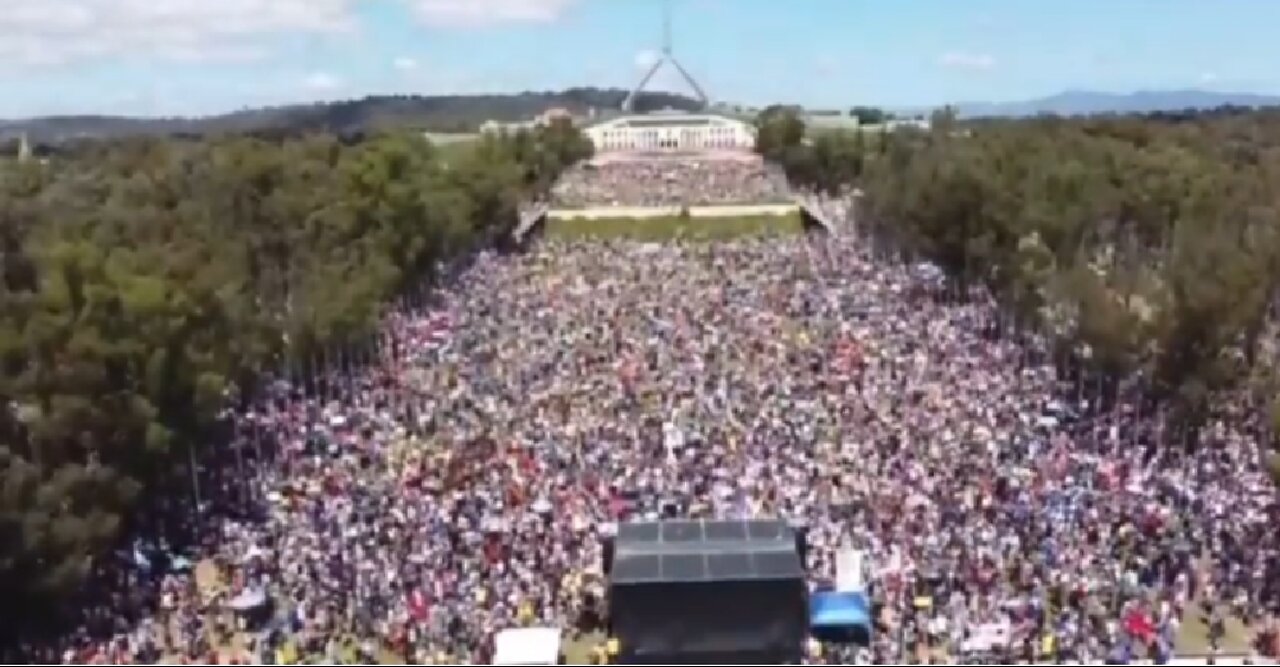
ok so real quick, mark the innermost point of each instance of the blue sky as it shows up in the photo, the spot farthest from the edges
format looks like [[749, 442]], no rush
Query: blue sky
[[166, 57]]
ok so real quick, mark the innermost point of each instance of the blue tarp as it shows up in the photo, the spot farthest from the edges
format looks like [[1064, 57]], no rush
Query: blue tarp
[[834, 610]]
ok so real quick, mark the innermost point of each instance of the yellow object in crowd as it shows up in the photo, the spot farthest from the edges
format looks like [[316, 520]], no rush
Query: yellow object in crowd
[[613, 646], [924, 602]]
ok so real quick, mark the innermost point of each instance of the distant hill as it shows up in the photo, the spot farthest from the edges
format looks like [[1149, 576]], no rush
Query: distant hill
[[442, 113], [464, 113], [1082, 102]]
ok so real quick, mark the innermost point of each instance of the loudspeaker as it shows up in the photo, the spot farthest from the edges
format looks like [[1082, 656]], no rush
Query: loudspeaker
[[801, 530], [607, 565]]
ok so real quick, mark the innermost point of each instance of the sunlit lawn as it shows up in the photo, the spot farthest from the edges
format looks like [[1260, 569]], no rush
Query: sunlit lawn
[[675, 227], [451, 147]]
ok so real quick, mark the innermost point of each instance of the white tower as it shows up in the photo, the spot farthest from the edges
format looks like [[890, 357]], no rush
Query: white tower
[[664, 58], [24, 148]]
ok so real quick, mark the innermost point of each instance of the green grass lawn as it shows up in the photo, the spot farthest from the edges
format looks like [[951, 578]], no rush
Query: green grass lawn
[[675, 227], [456, 147], [442, 139]]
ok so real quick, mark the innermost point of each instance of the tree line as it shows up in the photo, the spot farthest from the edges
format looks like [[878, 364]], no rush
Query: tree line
[[148, 284], [1148, 247], [435, 113]]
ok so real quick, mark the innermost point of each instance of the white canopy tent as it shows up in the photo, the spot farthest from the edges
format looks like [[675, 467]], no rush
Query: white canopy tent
[[527, 646], [851, 571]]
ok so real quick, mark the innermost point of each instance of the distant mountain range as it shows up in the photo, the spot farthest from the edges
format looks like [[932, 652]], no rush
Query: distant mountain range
[[438, 113], [464, 113], [1083, 102]]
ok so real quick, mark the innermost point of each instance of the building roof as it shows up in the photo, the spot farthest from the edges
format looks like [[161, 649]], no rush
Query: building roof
[[832, 121], [688, 551], [666, 119]]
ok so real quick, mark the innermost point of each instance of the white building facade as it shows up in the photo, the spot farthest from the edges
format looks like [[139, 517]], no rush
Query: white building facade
[[671, 132]]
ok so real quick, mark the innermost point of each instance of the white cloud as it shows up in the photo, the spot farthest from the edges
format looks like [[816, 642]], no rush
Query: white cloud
[[405, 64], [322, 81], [1208, 77], [51, 32], [965, 60], [646, 59], [480, 13], [54, 32]]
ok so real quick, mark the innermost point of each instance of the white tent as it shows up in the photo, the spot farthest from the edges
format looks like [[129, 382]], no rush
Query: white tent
[[850, 571], [527, 646]]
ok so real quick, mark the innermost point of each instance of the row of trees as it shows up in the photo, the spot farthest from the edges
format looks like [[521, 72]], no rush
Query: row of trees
[[1148, 246], [145, 283], [432, 113]]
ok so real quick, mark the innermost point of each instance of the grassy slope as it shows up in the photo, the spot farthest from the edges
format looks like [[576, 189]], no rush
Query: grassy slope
[[671, 227], [455, 148]]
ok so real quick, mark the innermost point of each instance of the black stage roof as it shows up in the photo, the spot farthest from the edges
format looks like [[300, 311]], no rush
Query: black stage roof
[[692, 551]]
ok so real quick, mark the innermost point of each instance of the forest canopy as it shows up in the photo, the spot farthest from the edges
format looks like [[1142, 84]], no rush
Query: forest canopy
[[150, 283]]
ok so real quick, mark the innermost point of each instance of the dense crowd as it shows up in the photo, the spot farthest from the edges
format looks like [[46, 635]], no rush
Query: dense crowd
[[667, 182], [457, 485]]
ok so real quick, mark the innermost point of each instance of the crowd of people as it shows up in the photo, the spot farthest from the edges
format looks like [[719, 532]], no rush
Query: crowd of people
[[670, 182], [456, 484]]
